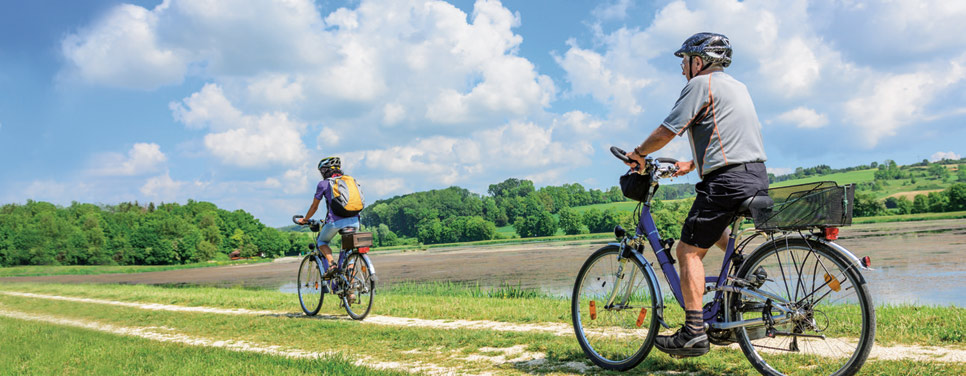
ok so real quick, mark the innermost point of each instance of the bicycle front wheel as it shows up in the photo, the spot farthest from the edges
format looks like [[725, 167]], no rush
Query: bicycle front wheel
[[612, 310], [360, 288], [832, 325], [310, 287]]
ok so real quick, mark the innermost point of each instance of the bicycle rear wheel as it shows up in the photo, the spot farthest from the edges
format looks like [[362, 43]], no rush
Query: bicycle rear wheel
[[833, 319], [310, 286], [612, 310], [360, 288]]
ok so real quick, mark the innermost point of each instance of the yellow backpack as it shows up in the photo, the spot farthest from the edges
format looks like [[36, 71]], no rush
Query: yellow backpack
[[347, 200]]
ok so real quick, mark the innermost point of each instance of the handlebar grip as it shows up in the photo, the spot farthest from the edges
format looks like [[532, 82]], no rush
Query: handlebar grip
[[667, 160], [620, 154], [295, 218]]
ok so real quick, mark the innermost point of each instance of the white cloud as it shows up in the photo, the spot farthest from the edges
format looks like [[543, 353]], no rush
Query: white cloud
[[329, 137], [616, 10], [589, 73], [162, 187], [239, 139], [803, 117], [275, 90], [143, 158], [898, 100], [512, 148], [122, 50], [382, 187], [779, 171], [425, 58], [940, 155]]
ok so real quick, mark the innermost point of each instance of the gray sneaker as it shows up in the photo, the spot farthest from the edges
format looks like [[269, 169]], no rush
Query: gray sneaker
[[683, 344]]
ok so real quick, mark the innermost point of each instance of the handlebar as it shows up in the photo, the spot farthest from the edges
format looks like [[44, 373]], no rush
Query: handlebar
[[295, 218], [651, 165]]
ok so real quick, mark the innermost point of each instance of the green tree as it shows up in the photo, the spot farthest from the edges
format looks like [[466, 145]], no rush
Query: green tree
[[866, 205], [535, 219], [957, 197], [476, 228], [938, 202], [570, 221], [920, 204]]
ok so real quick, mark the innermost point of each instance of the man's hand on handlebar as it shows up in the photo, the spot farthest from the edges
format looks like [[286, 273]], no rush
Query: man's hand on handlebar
[[636, 160], [684, 167], [303, 221]]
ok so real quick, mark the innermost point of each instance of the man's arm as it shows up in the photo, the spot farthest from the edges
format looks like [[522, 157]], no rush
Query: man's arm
[[660, 137]]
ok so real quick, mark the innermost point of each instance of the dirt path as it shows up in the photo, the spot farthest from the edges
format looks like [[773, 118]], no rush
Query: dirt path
[[827, 349], [164, 334]]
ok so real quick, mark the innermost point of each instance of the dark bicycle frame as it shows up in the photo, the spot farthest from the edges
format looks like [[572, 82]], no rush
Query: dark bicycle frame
[[648, 229]]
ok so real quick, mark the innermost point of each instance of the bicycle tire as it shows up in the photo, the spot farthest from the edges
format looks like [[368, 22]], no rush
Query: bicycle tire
[[838, 278], [359, 282], [599, 336], [310, 285]]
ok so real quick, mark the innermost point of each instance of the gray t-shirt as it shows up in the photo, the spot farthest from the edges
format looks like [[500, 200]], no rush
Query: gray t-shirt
[[721, 121]]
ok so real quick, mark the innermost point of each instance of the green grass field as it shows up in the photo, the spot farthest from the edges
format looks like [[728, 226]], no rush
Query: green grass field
[[47, 347], [40, 270], [861, 176]]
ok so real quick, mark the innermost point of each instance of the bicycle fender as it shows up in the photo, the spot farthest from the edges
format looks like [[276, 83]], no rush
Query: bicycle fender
[[372, 268], [848, 254], [845, 254], [659, 308]]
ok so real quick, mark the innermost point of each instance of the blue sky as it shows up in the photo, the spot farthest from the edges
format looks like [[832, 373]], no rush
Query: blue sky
[[107, 101]]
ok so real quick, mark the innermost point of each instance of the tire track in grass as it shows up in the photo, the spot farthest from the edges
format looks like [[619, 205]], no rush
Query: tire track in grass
[[895, 352], [553, 328], [164, 334]]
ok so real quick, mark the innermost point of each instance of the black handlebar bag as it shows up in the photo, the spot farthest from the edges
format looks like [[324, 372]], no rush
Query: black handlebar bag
[[635, 186]]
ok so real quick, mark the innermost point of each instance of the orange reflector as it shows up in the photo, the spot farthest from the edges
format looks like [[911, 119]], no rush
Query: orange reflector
[[866, 261], [363, 249], [833, 282], [593, 310], [640, 317], [316, 285], [364, 269], [831, 233]]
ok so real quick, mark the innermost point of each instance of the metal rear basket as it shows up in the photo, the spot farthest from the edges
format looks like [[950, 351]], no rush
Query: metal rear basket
[[805, 206]]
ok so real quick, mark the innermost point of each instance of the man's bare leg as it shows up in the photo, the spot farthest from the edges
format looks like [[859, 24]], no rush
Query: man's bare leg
[[692, 340]]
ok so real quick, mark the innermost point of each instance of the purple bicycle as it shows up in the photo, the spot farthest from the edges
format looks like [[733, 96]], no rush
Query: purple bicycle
[[797, 302]]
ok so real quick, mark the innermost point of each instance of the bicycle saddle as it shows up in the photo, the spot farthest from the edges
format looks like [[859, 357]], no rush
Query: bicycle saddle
[[347, 230], [754, 202]]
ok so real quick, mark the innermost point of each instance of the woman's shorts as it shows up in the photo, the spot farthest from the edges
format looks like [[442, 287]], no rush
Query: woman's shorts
[[330, 229]]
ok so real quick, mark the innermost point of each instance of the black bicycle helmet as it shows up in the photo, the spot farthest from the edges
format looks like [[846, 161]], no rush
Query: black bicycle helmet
[[330, 163], [712, 47]]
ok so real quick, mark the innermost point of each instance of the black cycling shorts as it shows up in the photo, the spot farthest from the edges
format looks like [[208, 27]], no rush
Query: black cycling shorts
[[720, 194]]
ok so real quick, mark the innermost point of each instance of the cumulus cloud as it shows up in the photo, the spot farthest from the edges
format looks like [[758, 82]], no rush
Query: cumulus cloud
[[898, 100], [616, 10], [143, 158], [512, 148], [417, 60], [590, 73], [239, 139], [803, 117], [940, 155], [162, 187], [122, 49]]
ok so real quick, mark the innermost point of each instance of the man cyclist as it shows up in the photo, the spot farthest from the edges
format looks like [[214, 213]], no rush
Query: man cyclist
[[725, 136], [329, 167]]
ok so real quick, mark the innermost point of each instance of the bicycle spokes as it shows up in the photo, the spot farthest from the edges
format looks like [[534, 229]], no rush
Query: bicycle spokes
[[821, 315]]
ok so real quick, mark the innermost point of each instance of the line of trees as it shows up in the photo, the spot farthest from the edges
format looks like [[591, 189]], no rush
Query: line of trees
[[455, 214], [40, 233]]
